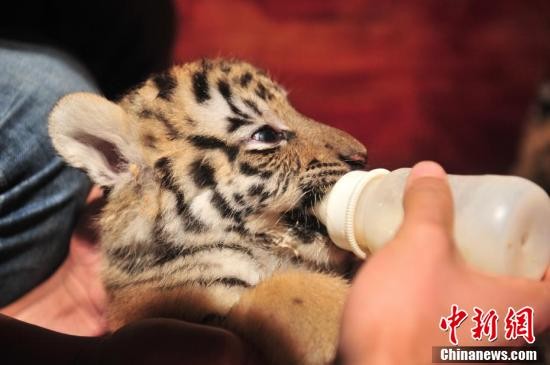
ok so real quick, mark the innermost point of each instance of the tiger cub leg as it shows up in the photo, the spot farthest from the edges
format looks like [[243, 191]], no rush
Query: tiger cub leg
[[186, 303], [292, 317]]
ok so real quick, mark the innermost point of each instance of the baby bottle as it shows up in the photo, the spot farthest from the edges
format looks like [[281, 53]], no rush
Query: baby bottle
[[501, 226]]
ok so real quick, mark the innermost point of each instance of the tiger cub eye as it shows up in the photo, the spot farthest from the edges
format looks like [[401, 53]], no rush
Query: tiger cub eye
[[268, 135]]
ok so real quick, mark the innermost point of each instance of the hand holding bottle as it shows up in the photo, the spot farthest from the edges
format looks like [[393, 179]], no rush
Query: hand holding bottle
[[500, 222], [400, 294]]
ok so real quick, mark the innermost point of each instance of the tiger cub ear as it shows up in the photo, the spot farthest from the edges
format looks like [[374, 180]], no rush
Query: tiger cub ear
[[94, 134]]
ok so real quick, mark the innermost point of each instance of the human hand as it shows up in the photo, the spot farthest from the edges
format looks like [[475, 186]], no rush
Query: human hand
[[170, 341], [399, 296], [146, 342], [72, 300]]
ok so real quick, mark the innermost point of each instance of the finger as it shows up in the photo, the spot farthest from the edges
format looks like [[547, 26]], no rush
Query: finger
[[542, 304], [427, 202], [504, 292], [547, 275], [537, 296]]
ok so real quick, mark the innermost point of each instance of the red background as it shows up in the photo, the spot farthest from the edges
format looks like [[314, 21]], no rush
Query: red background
[[448, 80]]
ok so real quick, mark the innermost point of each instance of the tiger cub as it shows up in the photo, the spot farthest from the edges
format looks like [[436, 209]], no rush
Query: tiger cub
[[211, 176]]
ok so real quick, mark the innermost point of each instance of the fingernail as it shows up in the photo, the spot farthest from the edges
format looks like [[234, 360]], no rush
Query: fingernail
[[426, 169]]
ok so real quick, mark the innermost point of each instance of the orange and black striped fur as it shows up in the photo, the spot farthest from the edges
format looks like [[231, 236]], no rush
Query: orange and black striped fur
[[211, 175]]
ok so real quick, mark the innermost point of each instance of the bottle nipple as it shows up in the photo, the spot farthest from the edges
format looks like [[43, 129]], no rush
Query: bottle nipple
[[342, 200]]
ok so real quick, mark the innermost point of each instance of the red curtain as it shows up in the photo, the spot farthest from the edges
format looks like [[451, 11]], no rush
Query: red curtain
[[448, 80]]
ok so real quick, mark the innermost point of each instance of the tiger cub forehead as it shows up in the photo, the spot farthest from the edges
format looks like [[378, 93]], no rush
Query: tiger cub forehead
[[221, 98]]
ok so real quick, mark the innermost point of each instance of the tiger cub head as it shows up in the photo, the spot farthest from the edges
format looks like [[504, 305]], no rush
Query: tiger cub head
[[208, 151]]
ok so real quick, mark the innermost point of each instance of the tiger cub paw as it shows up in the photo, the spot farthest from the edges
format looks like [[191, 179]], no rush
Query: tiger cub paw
[[293, 317]]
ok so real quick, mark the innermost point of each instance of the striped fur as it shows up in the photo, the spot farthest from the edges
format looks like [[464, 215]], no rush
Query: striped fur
[[215, 196]]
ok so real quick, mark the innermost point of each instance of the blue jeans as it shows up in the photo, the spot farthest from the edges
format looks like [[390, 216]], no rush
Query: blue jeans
[[40, 196]]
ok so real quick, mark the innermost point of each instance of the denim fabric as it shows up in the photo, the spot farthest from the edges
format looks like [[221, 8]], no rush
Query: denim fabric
[[40, 196]]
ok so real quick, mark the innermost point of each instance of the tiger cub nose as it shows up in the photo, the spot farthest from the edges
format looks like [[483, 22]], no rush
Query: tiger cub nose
[[356, 161]]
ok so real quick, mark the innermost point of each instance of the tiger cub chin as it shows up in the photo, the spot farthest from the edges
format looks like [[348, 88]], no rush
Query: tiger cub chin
[[211, 176]]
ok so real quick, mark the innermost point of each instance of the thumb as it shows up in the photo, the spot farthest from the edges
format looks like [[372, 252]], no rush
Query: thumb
[[427, 202]]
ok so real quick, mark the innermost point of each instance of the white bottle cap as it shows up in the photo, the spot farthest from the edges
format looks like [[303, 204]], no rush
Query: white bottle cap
[[340, 208]]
